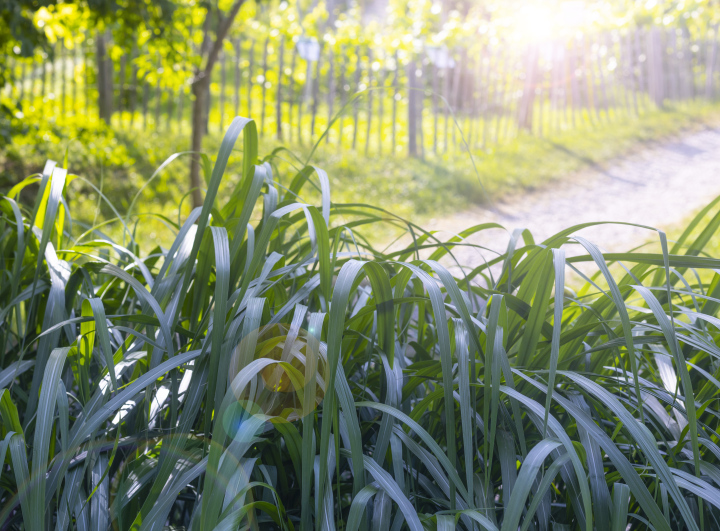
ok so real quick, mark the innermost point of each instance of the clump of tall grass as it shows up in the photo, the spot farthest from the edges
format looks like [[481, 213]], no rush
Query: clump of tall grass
[[273, 370]]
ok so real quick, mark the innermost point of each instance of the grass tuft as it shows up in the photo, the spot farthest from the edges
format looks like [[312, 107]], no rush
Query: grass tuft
[[271, 369]]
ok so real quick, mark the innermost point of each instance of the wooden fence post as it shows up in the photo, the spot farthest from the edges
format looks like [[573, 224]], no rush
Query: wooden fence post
[[264, 85], [394, 102], [369, 102], [555, 86], [74, 79], [158, 102], [35, 78], [146, 98], [446, 102], [53, 88], [658, 63], [236, 68], [104, 77], [300, 104], [513, 95], [632, 56], [292, 91], [434, 83], [573, 80], [420, 104], [539, 95], [22, 82], [628, 78], [63, 76], [474, 80], [527, 101], [316, 95], [673, 81], [412, 110], [87, 54], [42, 85], [121, 87], [133, 86], [603, 104], [498, 94], [208, 107], [381, 103], [343, 96], [180, 100], [641, 65], [330, 93], [687, 66], [170, 109], [696, 67], [279, 95], [356, 105], [710, 66], [592, 97], [485, 86], [223, 83], [251, 63], [9, 87], [456, 97]]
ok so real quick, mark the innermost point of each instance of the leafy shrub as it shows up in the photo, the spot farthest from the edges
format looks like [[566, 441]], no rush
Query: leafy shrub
[[272, 370], [91, 145]]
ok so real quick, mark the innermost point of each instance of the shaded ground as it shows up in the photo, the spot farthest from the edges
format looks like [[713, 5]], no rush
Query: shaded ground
[[660, 187]]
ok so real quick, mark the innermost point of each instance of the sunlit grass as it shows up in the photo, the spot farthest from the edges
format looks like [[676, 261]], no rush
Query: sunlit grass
[[271, 369], [118, 162]]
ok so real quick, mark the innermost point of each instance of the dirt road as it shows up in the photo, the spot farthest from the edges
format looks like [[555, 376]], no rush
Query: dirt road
[[660, 186]]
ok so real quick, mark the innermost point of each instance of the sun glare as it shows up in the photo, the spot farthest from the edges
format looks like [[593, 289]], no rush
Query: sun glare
[[539, 22]]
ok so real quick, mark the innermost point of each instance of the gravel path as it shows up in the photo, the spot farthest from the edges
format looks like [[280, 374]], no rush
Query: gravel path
[[660, 187]]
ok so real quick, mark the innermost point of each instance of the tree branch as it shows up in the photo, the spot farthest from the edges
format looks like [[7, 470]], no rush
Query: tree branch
[[204, 44], [223, 29]]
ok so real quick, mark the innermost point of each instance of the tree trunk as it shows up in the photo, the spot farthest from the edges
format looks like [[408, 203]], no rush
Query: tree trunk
[[104, 78], [201, 100], [199, 121]]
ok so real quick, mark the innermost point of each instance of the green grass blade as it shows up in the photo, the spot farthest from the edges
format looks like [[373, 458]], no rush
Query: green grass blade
[[621, 499], [529, 469], [41, 441]]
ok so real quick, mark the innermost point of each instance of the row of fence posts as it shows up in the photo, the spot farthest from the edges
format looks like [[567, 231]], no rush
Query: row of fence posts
[[414, 101]]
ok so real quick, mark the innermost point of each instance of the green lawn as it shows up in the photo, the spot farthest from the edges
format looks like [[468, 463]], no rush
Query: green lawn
[[120, 163]]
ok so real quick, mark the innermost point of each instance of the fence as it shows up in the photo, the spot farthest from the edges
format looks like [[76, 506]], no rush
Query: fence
[[494, 91]]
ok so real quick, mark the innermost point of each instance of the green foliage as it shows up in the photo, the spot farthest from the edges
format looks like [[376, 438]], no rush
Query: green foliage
[[97, 152], [18, 33], [117, 161], [273, 370]]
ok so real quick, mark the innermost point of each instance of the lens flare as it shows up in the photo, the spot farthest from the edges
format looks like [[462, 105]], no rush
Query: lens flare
[[282, 386]]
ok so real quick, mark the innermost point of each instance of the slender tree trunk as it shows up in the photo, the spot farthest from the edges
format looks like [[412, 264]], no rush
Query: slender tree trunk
[[199, 121], [201, 93], [104, 78]]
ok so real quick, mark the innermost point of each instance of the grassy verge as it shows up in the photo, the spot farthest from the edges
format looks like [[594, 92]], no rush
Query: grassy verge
[[530, 162], [120, 162]]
